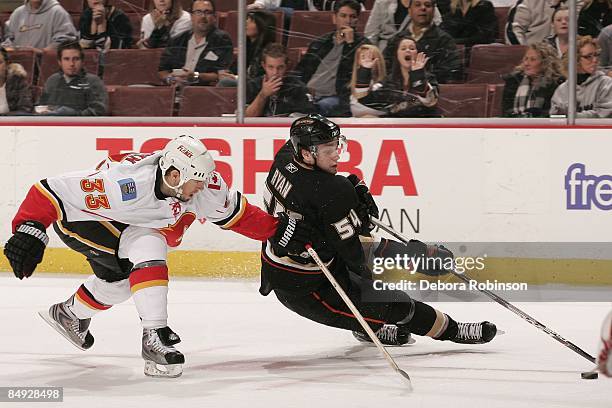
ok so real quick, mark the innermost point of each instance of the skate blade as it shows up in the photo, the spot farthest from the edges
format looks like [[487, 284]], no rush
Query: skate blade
[[151, 369], [410, 342], [47, 318]]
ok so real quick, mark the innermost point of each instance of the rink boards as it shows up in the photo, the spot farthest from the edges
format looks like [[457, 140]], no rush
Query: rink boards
[[453, 184]]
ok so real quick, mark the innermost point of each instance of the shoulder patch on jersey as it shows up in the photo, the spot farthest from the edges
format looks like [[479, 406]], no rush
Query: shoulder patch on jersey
[[128, 189], [214, 181], [291, 168]]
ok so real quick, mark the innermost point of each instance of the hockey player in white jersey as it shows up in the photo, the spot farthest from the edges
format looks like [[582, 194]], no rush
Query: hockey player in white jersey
[[604, 358], [123, 216]]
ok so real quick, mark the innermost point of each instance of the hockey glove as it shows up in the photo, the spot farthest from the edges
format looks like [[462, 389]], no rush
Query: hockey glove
[[291, 236], [367, 206], [25, 248], [432, 260]]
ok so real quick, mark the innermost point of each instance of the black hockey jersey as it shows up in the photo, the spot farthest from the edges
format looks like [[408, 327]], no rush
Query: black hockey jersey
[[325, 201]]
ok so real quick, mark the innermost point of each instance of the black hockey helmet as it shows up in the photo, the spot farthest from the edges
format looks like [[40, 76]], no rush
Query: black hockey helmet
[[309, 131]]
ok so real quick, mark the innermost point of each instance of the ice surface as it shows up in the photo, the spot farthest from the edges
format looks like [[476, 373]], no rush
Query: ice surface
[[245, 350]]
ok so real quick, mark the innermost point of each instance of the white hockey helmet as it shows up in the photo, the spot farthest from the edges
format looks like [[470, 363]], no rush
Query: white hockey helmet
[[190, 157]]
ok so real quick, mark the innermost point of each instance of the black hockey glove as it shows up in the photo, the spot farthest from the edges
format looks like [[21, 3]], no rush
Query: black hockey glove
[[433, 260], [291, 236], [25, 248], [367, 205]]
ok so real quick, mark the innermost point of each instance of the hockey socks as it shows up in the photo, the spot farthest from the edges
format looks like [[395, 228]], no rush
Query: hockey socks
[[96, 295], [427, 321], [149, 286]]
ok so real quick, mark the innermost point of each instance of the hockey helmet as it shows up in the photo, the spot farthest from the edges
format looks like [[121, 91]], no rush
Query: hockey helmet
[[310, 131], [189, 156]]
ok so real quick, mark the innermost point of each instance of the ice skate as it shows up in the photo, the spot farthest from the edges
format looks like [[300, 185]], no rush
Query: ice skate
[[75, 330], [161, 358], [389, 335], [475, 333]]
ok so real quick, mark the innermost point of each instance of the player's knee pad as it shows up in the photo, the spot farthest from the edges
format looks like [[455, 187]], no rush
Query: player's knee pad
[[148, 274], [109, 293]]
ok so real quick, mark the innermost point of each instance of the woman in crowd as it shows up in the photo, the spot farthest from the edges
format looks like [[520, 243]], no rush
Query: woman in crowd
[[529, 89], [560, 28], [594, 16], [471, 22], [104, 27], [409, 91], [260, 31], [594, 90], [166, 20], [15, 93]]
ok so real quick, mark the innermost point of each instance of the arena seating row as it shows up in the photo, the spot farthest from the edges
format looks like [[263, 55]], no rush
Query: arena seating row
[[130, 67], [456, 101], [305, 25]]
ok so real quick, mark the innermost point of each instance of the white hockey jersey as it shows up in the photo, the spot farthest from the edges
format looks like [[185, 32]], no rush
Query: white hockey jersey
[[122, 189]]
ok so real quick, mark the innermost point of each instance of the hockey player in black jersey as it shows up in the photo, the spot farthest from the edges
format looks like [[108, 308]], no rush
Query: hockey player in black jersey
[[303, 183]]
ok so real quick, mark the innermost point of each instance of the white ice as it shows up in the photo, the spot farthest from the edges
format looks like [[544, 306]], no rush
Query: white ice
[[245, 350]]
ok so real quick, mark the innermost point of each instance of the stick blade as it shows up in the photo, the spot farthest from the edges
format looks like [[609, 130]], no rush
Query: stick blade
[[406, 378]]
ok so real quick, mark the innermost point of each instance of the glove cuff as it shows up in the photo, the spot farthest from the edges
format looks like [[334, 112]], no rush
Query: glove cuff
[[35, 229]]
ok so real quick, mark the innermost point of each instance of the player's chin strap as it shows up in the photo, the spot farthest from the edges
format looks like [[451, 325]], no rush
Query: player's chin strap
[[177, 189], [464, 277]]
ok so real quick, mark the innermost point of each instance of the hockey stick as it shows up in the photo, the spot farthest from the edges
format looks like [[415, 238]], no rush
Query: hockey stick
[[498, 299], [358, 315]]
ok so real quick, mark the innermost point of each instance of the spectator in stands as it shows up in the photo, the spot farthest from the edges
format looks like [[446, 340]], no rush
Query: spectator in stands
[[594, 16], [438, 45], [560, 26], [388, 17], [326, 66], [166, 20], [195, 57], [260, 31], [73, 91], [408, 92], [530, 87], [594, 88], [529, 21], [39, 24], [471, 22], [369, 72], [275, 93], [605, 43], [15, 93], [104, 27]]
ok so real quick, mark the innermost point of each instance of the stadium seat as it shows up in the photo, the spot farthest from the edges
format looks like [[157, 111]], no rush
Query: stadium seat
[[27, 59], [489, 62], [132, 67], [49, 66], [136, 22], [294, 55], [231, 25], [141, 101], [502, 18], [496, 94], [463, 100], [207, 101], [308, 25], [72, 6]]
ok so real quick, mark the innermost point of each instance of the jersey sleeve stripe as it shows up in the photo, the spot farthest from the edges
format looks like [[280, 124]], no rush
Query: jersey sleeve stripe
[[236, 214], [45, 190]]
